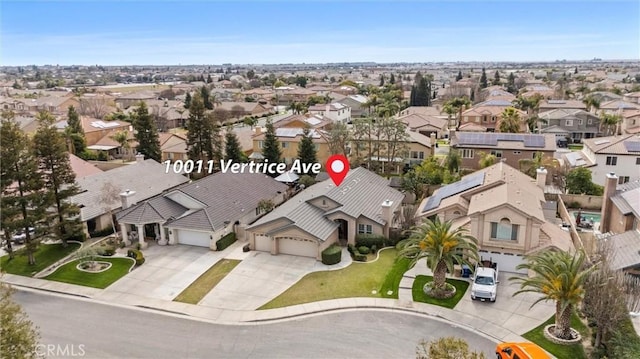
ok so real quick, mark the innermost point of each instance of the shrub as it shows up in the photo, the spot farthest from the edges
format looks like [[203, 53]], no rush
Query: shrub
[[351, 248], [81, 237], [108, 250], [359, 257], [374, 248], [368, 240], [364, 250], [137, 255], [102, 156], [225, 241], [332, 255], [101, 233], [574, 204]]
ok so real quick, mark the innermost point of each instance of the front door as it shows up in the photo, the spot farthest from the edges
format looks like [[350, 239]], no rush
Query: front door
[[343, 231]]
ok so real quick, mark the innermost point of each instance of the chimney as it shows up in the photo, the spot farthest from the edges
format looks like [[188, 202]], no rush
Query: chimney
[[541, 177], [128, 198], [432, 136], [387, 216], [610, 186], [139, 158], [258, 130], [452, 134]]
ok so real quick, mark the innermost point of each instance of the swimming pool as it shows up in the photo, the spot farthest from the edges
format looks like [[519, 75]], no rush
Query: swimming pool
[[587, 216]]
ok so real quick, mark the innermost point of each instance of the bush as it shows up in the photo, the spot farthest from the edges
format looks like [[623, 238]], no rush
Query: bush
[[364, 250], [101, 233], [78, 237], [102, 156], [351, 248], [332, 255], [225, 241], [374, 249], [108, 250], [368, 240], [574, 204], [137, 255], [359, 257]]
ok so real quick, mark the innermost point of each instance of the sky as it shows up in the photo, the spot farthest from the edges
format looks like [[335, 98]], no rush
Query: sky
[[270, 32]]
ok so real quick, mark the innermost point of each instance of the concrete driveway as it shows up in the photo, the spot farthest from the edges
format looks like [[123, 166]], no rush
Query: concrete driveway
[[167, 271], [260, 277]]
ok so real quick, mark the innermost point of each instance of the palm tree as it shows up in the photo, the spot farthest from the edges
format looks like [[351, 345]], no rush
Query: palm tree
[[609, 123], [450, 111], [591, 102], [487, 159], [559, 276], [460, 104], [122, 137], [373, 101], [442, 247], [297, 108], [529, 166], [509, 120]]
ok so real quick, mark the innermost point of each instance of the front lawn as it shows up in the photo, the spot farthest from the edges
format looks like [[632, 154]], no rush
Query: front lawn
[[356, 280], [575, 351], [45, 255], [68, 273], [206, 282], [420, 296], [393, 278]]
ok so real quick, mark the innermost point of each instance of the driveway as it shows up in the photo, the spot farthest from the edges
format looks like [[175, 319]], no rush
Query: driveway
[[166, 272], [260, 277]]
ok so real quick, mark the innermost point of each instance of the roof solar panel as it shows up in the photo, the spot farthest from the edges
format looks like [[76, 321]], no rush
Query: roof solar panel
[[632, 146], [467, 183]]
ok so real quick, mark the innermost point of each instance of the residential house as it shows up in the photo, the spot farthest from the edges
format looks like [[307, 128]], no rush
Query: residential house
[[487, 114], [570, 123], [304, 120], [630, 121], [619, 154], [356, 103], [147, 178], [324, 214], [503, 209], [173, 147], [241, 109], [620, 223], [633, 97], [258, 94], [15, 105], [82, 168], [202, 212], [421, 110], [605, 96], [134, 98], [548, 105], [538, 90], [496, 93], [510, 148], [94, 129], [289, 139], [288, 94], [57, 105], [425, 124], [337, 112], [618, 107], [346, 90]]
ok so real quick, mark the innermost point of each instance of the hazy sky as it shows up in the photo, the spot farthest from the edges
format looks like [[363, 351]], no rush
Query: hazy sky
[[216, 32]]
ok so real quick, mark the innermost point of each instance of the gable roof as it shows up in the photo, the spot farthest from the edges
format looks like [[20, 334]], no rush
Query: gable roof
[[81, 167], [626, 249], [619, 145], [418, 121], [627, 198], [516, 141]]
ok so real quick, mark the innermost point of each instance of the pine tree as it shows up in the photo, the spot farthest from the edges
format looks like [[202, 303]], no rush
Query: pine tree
[[232, 149], [217, 140], [511, 83], [19, 336], [307, 149], [187, 100], [22, 201], [74, 131], [59, 180], [483, 79], [381, 79], [459, 77], [206, 97], [209, 79], [199, 131], [271, 147], [496, 78], [146, 133], [392, 79]]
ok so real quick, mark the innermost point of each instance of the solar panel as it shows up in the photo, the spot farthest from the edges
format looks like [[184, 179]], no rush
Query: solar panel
[[467, 183], [632, 146]]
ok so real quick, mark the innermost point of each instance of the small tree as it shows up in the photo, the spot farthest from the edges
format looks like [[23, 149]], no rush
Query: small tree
[[232, 150], [271, 148], [122, 137], [307, 149], [483, 79], [446, 348], [265, 205], [109, 196], [146, 133], [18, 335], [579, 182]]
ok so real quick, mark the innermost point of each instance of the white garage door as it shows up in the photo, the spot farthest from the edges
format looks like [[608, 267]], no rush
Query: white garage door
[[506, 262], [193, 238], [297, 247], [263, 243]]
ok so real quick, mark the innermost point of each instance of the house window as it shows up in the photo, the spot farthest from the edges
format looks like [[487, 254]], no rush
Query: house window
[[504, 230], [589, 122], [612, 160], [623, 179], [580, 122], [417, 155], [467, 153], [568, 123], [637, 160], [285, 144], [485, 118], [516, 152], [497, 153], [365, 229], [260, 144], [493, 118], [170, 155]]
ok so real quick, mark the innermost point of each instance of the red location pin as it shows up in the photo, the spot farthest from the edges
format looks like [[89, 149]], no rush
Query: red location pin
[[337, 167]]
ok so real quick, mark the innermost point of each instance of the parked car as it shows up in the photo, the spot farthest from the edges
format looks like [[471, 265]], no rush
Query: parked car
[[520, 350], [21, 236], [485, 281]]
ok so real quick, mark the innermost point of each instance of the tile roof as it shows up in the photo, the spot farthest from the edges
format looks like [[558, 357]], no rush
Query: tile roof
[[627, 198], [611, 144], [626, 249], [418, 121], [81, 167]]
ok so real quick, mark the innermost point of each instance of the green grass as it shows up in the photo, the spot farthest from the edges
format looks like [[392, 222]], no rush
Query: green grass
[[575, 147], [356, 280], [68, 273], [393, 278], [206, 282], [45, 255], [420, 296], [575, 351]]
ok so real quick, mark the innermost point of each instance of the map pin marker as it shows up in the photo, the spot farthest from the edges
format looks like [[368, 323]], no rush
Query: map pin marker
[[337, 167]]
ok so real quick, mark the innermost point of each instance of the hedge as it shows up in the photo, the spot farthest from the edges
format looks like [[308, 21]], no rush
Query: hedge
[[360, 257], [368, 240], [101, 233], [332, 255], [226, 241], [137, 255], [364, 250]]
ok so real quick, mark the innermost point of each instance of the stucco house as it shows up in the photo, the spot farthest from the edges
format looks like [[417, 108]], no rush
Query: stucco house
[[572, 123], [201, 212], [504, 209], [619, 154], [324, 214]]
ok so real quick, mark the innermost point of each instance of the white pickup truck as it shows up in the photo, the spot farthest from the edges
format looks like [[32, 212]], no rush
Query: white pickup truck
[[485, 281]]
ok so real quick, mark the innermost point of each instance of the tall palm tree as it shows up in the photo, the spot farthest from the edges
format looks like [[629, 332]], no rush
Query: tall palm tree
[[450, 111], [374, 101], [559, 276], [609, 123], [529, 166], [591, 103], [460, 104], [442, 247], [510, 121]]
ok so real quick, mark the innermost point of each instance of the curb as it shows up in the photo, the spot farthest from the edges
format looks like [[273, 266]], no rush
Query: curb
[[48, 290]]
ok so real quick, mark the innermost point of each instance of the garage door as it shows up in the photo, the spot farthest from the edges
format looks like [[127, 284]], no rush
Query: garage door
[[506, 262], [193, 238], [297, 247], [263, 243]]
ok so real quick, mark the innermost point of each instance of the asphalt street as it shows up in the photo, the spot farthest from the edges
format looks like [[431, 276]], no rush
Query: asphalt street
[[93, 330]]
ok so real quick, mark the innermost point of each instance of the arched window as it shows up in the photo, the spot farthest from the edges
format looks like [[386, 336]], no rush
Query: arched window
[[456, 213], [504, 230]]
